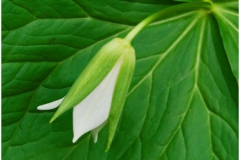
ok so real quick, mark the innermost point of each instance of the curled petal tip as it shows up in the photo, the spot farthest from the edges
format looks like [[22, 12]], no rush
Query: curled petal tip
[[74, 140], [76, 137], [51, 105]]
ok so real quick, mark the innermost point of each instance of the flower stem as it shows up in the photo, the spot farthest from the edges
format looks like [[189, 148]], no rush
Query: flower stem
[[168, 12]]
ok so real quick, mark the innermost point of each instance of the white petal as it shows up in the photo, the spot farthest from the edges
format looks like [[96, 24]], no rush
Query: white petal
[[96, 130], [50, 105], [94, 109]]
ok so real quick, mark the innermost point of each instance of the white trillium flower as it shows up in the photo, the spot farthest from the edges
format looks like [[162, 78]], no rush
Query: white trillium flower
[[98, 95]]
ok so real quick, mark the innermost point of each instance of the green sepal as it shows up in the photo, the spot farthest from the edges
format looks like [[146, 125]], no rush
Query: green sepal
[[120, 92], [93, 74]]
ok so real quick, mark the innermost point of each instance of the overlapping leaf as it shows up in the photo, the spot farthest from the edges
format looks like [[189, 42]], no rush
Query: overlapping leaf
[[226, 14], [182, 103]]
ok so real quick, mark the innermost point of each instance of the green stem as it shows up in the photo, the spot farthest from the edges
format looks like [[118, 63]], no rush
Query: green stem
[[168, 12]]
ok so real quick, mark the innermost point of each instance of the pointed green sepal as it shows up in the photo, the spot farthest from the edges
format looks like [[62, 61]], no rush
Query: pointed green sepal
[[120, 92]]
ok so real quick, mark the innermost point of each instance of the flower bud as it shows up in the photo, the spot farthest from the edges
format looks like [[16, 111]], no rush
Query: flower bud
[[99, 93]]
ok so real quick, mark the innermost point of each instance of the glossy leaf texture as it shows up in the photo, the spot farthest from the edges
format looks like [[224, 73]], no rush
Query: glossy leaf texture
[[182, 102]]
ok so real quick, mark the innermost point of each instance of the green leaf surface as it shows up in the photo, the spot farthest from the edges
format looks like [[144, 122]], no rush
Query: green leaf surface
[[191, 0], [226, 14], [182, 102]]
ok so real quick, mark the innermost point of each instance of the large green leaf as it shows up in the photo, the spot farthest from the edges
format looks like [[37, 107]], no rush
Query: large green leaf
[[182, 103]]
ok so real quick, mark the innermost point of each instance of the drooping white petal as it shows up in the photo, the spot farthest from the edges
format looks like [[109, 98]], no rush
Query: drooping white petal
[[96, 130], [50, 105], [94, 109]]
